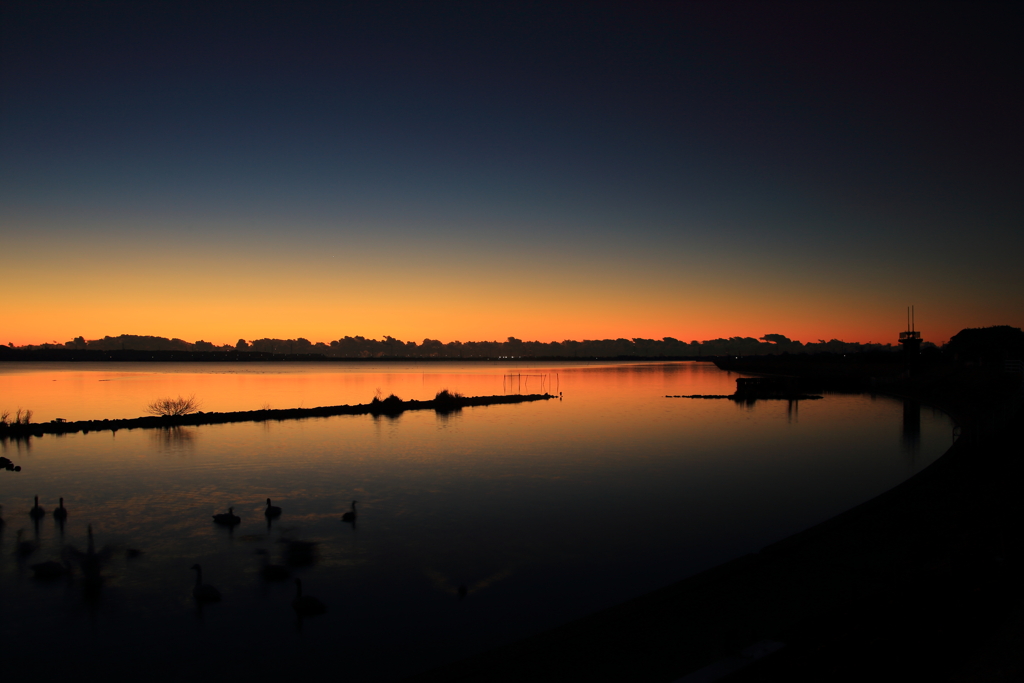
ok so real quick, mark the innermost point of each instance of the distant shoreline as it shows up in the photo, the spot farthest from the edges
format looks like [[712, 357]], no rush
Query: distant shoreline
[[134, 356], [388, 407]]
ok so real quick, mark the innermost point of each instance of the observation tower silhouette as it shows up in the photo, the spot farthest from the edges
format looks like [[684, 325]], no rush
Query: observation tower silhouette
[[911, 339]]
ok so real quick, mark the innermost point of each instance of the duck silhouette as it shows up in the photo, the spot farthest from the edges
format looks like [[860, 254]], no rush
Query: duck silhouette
[[228, 518], [272, 510], [60, 513], [203, 592], [37, 512], [306, 605], [350, 516]]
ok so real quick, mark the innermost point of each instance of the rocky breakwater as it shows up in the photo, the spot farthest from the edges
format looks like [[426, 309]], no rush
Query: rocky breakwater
[[390, 406]]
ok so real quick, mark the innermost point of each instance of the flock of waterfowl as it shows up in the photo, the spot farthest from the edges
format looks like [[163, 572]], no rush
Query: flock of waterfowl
[[298, 553]]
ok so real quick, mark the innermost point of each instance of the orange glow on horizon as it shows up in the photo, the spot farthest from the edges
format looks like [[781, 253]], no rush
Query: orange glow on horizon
[[225, 323], [221, 294]]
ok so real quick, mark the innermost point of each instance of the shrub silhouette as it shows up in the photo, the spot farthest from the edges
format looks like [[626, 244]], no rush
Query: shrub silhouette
[[391, 401], [21, 417], [392, 404], [172, 407], [447, 398], [447, 401]]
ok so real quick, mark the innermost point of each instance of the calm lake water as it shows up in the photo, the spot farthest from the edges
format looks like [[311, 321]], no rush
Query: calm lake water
[[544, 511]]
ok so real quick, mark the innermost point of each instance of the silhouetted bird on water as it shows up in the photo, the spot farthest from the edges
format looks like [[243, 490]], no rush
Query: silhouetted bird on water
[[300, 553], [37, 512], [272, 510], [350, 516], [91, 561], [272, 572], [306, 605], [204, 592], [228, 518], [50, 570], [60, 513], [24, 548]]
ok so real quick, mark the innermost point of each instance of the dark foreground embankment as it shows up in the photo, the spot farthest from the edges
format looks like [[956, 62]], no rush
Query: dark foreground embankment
[[389, 406], [920, 583]]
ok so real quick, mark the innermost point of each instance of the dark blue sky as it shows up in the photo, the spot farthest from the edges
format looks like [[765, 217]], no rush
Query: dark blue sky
[[819, 165]]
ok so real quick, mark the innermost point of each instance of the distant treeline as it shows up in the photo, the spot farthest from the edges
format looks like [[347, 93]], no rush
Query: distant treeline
[[389, 347]]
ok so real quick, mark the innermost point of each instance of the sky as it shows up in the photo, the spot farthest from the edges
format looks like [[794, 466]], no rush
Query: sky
[[544, 170]]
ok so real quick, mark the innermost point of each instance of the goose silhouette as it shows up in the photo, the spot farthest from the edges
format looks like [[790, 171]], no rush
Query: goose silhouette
[[300, 553], [203, 592], [272, 572], [272, 510], [228, 518], [24, 548], [60, 513], [50, 570], [37, 512], [350, 516], [306, 605], [91, 561]]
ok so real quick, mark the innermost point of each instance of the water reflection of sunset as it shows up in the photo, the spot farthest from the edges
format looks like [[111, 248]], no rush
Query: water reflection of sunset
[[543, 511], [109, 390]]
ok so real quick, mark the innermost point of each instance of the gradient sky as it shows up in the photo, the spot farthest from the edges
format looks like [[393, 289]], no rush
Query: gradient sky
[[478, 170]]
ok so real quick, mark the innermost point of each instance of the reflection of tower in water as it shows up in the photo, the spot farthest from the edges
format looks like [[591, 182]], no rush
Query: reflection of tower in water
[[911, 343], [911, 425]]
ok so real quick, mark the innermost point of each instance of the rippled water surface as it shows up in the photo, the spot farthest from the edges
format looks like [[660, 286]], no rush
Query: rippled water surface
[[543, 511]]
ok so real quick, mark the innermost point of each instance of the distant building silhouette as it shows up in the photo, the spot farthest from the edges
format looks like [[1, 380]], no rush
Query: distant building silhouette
[[911, 339]]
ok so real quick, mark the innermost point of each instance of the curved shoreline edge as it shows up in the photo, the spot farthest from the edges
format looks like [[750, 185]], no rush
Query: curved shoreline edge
[[387, 407], [919, 581]]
